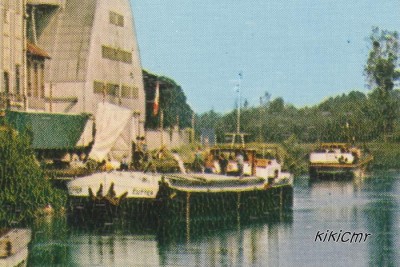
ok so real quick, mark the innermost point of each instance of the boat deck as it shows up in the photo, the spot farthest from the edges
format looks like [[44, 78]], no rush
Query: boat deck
[[214, 183], [362, 162], [214, 178]]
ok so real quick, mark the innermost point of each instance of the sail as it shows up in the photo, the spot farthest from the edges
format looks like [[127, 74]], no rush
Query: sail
[[111, 120]]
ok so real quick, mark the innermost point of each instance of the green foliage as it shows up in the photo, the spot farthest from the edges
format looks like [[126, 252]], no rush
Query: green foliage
[[23, 187], [172, 102], [297, 157], [344, 118], [382, 71]]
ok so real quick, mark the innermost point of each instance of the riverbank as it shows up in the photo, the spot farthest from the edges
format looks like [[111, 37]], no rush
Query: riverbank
[[295, 156], [386, 155]]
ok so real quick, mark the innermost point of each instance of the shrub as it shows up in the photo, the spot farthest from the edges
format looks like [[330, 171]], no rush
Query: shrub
[[23, 187]]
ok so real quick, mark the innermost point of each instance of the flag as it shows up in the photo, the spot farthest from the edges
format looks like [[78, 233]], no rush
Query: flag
[[156, 99]]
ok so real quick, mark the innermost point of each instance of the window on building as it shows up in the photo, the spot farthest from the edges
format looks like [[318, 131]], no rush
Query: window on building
[[98, 87], [35, 80], [112, 89], [135, 92], [29, 78], [18, 79], [116, 19], [6, 80], [126, 91], [116, 54], [130, 92], [42, 90]]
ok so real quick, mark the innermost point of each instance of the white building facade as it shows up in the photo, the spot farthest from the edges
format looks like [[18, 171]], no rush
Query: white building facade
[[11, 52], [94, 59]]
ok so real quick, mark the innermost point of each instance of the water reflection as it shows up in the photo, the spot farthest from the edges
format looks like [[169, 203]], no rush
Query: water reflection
[[382, 217], [246, 244], [127, 243], [287, 238]]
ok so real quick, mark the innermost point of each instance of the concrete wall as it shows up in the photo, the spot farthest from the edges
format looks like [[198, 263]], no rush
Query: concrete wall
[[170, 139]]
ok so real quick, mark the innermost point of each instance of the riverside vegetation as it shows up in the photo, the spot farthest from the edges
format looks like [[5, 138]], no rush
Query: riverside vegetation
[[24, 190]]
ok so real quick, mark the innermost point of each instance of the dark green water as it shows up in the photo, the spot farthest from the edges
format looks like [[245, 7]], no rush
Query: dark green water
[[369, 206]]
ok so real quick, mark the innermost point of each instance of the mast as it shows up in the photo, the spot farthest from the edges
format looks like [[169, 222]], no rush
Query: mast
[[239, 103]]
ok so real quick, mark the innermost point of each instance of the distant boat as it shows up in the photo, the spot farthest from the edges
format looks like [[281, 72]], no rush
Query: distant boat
[[337, 160]]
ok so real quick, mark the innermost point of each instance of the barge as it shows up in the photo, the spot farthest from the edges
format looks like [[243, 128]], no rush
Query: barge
[[155, 196], [337, 161]]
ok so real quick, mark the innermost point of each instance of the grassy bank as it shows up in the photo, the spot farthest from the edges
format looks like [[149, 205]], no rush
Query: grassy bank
[[386, 155], [295, 155]]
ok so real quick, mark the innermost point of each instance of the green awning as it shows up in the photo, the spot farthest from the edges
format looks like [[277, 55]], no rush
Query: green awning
[[49, 130]]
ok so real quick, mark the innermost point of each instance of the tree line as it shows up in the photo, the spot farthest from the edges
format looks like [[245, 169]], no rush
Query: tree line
[[352, 117]]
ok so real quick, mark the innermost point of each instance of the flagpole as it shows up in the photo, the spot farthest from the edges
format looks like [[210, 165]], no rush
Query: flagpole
[[162, 127], [156, 109]]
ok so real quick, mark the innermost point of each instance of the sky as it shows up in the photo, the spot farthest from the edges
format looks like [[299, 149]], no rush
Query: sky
[[304, 51]]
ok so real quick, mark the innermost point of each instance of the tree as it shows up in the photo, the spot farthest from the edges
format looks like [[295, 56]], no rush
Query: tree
[[172, 99], [277, 105], [381, 72]]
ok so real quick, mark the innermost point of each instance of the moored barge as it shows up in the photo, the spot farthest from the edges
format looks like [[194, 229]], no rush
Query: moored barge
[[155, 196], [337, 161]]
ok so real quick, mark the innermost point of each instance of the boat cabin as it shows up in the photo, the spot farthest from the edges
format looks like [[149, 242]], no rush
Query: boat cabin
[[333, 148], [224, 160]]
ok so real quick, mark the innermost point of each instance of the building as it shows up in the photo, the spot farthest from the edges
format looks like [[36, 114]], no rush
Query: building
[[12, 57], [70, 56], [94, 59]]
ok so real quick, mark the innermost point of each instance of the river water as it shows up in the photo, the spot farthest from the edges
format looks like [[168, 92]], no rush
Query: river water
[[367, 207]]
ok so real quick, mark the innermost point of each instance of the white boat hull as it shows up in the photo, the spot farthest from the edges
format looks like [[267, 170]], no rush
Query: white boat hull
[[135, 184]]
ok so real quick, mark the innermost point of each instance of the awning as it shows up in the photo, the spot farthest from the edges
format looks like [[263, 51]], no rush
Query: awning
[[49, 130], [35, 50]]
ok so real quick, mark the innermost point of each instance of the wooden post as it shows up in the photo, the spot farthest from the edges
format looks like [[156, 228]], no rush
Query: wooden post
[[238, 210], [188, 216]]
